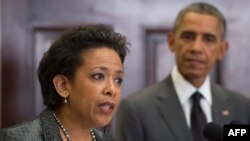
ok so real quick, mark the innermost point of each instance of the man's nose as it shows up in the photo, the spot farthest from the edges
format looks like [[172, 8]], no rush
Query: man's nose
[[197, 44]]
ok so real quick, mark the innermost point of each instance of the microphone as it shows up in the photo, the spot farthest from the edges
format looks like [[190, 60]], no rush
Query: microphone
[[236, 122], [213, 132]]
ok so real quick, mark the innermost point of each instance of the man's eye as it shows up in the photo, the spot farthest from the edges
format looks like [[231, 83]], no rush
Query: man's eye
[[187, 36], [209, 38], [98, 76]]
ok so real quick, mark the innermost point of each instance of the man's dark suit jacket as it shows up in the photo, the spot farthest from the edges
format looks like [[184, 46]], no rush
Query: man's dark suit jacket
[[155, 113]]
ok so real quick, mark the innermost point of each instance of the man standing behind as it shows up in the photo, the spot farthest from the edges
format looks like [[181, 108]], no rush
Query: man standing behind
[[179, 107]]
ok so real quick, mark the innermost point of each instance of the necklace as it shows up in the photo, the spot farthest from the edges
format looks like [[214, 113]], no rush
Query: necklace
[[93, 138]]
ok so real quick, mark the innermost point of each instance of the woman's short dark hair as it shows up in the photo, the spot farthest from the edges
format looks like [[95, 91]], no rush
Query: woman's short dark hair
[[64, 55]]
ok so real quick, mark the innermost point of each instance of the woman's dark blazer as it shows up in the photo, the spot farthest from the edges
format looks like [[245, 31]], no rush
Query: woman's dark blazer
[[42, 128]]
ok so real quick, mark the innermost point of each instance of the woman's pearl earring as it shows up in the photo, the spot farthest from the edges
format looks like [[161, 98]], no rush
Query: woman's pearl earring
[[65, 100]]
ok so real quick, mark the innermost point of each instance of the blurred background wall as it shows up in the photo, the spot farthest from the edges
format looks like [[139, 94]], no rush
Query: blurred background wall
[[0, 61], [29, 26]]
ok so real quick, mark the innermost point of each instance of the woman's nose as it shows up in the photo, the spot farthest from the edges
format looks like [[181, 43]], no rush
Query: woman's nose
[[110, 89]]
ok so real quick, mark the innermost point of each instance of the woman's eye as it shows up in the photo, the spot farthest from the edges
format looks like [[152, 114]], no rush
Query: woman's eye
[[119, 81], [98, 76]]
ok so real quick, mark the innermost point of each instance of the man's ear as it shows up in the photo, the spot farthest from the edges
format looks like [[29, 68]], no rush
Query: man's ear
[[171, 40], [224, 49], [60, 83]]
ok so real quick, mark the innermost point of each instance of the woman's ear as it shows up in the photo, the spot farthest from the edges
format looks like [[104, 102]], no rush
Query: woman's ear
[[60, 83]]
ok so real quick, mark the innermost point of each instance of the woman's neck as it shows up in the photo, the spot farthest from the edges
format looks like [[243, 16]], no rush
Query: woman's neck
[[76, 130]]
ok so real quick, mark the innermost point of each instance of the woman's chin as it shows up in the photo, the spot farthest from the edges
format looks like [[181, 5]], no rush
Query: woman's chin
[[104, 122]]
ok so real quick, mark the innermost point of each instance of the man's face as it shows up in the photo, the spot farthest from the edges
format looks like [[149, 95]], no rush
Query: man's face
[[197, 44]]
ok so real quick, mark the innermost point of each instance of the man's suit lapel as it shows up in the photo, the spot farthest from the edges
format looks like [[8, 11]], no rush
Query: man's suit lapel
[[221, 111], [171, 110]]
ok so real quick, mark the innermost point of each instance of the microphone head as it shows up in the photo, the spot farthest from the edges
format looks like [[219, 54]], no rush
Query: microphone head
[[236, 122], [213, 132]]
